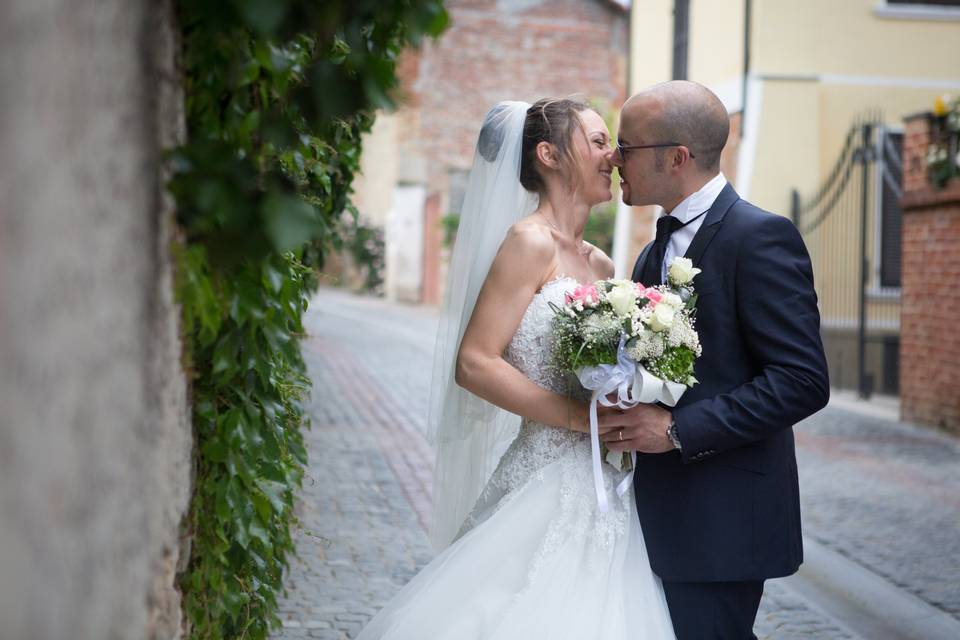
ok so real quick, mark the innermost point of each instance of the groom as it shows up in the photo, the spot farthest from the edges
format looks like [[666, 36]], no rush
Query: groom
[[716, 476]]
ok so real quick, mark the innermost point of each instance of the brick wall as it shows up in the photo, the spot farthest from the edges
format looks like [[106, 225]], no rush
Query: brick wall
[[930, 343], [502, 50]]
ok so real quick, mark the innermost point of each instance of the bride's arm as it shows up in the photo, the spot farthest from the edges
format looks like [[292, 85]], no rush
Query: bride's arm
[[525, 258]]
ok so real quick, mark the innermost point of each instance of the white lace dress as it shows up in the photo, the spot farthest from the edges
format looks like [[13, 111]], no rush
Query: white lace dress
[[536, 559]]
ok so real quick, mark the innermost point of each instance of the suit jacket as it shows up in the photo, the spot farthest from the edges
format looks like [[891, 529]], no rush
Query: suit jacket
[[728, 507]]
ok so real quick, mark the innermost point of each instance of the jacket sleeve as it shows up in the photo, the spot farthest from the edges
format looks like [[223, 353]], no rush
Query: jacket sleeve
[[780, 326]]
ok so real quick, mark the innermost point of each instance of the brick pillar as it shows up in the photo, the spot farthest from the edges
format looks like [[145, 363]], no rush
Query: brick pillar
[[930, 342]]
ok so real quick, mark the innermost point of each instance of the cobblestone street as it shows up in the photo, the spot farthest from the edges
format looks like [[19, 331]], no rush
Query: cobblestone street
[[882, 494]]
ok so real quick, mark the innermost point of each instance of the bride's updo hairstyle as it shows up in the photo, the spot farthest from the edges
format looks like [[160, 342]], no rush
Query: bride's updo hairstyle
[[555, 121], [491, 133]]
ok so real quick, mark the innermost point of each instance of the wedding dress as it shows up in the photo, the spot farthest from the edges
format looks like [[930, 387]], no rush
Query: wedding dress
[[536, 559]]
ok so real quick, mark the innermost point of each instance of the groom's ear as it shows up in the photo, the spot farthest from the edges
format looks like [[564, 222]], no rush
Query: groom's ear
[[680, 157]]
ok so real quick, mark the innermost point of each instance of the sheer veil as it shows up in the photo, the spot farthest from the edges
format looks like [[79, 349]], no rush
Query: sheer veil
[[469, 433]]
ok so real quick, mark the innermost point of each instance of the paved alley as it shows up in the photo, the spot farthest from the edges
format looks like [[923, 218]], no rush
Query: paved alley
[[878, 494]]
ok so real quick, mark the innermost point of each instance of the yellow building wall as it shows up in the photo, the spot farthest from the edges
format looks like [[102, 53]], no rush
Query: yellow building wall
[[787, 129], [815, 67], [848, 60], [651, 42], [849, 37], [715, 48]]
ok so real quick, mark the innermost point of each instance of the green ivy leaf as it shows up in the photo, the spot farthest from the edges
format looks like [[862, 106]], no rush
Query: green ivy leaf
[[275, 492], [290, 222], [264, 16], [214, 450], [259, 531], [262, 505], [278, 96]]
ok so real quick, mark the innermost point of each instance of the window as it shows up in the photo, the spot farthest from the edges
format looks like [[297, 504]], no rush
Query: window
[[681, 31], [928, 10], [890, 170], [940, 3]]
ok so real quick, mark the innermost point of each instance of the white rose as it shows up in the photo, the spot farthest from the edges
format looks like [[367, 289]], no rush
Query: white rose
[[673, 300], [623, 299], [681, 271], [662, 317]]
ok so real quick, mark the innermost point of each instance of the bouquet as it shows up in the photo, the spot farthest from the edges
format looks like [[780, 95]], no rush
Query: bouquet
[[636, 342]]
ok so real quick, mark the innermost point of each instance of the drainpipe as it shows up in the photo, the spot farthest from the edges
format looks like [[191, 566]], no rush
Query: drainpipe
[[747, 6]]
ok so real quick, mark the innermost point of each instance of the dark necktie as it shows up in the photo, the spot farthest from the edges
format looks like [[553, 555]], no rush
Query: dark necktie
[[666, 226], [652, 272]]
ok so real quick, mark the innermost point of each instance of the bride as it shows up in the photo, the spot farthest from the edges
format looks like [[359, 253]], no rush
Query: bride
[[530, 555]]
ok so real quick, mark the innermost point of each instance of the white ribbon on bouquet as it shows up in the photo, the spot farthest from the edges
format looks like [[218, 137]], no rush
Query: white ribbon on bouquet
[[633, 384]]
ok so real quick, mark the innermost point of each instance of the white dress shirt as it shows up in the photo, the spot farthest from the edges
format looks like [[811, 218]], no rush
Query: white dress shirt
[[690, 207]]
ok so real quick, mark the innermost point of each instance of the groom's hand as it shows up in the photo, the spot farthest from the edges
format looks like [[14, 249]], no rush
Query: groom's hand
[[642, 428]]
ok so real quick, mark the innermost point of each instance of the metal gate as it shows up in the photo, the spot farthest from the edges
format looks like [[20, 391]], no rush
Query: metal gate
[[851, 226]]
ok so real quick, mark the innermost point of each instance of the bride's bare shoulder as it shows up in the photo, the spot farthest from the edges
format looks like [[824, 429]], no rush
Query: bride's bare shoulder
[[530, 240], [528, 253]]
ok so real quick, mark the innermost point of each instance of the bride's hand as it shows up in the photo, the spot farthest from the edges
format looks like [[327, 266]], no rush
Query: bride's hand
[[580, 419]]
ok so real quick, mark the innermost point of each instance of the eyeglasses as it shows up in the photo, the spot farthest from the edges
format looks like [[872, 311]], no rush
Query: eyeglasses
[[621, 148]]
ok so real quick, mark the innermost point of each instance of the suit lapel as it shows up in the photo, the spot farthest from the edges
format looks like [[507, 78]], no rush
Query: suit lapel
[[641, 263], [711, 224], [700, 241], [704, 235]]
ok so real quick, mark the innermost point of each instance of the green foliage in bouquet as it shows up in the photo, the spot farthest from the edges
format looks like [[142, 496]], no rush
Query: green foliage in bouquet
[[277, 97], [676, 366], [571, 354], [588, 335]]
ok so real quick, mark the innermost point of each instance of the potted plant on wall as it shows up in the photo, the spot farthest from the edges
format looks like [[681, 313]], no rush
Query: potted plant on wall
[[943, 155]]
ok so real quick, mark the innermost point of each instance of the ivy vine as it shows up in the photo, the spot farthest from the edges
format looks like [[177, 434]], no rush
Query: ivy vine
[[278, 94]]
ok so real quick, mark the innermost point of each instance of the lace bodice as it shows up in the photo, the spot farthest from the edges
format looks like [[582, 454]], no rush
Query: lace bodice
[[538, 445], [531, 351], [531, 348]]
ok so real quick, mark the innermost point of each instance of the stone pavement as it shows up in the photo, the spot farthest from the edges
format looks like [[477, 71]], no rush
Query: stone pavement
[[886, 495], [881, 493]]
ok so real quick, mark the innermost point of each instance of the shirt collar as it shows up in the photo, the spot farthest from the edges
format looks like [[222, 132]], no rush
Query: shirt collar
[[699, 201]]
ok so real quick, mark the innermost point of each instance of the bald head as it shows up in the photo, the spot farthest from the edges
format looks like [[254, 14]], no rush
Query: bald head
[[684, 112]]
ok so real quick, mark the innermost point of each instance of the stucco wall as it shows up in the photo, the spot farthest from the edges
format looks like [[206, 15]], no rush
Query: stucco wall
[[94, 429]]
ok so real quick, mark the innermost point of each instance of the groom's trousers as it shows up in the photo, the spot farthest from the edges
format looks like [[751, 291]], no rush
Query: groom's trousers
[[713, 610]]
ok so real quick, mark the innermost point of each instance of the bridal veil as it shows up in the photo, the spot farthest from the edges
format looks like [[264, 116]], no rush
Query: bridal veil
[[468, 433]]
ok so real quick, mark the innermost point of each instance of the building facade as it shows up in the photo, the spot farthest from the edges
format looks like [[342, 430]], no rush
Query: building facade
[[817, 92]]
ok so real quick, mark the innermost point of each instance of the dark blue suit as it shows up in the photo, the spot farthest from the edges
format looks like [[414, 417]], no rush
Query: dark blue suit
[[727, 510]]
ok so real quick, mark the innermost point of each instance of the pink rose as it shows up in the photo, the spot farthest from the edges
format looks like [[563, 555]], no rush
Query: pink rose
[[653, 296], [586, 294]]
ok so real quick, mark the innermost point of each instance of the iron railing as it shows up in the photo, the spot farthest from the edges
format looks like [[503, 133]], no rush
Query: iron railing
[[851, 225]]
